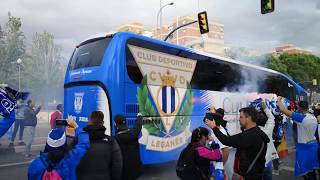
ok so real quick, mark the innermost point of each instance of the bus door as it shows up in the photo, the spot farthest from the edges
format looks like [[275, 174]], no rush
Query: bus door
[[81, 100]]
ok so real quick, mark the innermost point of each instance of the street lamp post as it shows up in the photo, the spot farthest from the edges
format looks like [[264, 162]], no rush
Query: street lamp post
[[19, 61], [160, 12]]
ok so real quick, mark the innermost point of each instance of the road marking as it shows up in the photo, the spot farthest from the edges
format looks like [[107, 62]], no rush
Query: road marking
[[287, 168], [15, 164], [36, 147]]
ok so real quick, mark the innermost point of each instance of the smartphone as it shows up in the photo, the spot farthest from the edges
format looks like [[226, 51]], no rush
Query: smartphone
[[61, 122]]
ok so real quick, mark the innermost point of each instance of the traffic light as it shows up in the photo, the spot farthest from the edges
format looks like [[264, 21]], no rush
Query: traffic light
[[203, 22], [267, 6], [314, 82]]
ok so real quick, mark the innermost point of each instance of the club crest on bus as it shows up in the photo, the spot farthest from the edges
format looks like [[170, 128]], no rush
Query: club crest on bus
[[78, 101], [168, 100], [165, 97]]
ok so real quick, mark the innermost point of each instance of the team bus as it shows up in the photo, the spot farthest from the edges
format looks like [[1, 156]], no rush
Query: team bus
[[171, 86]]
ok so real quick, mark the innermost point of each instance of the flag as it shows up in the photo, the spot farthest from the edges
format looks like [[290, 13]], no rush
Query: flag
[[282, 148], [8, 98]]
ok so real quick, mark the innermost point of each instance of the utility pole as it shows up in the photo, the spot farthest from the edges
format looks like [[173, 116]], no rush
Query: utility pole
[[19, 61]]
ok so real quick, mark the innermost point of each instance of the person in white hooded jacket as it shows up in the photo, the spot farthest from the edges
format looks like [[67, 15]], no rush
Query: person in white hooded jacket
[[266, 123]]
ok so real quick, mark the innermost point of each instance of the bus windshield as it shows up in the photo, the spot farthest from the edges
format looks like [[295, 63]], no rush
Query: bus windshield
[[89, 53]]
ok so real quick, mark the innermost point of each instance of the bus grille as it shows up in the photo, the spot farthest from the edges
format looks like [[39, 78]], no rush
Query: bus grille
[[131, 122], [132, 108]]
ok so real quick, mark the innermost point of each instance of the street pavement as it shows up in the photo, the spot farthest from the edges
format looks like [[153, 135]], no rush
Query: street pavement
[[18, 169]]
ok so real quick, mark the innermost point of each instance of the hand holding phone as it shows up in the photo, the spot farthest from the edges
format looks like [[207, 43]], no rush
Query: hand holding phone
[[66, 122], [61, 122], [72, 123]]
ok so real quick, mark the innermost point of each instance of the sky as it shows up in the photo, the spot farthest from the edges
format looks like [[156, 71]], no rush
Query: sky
[[71, 21]]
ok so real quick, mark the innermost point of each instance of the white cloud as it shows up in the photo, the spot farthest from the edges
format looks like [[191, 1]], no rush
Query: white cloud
[[294, 21]]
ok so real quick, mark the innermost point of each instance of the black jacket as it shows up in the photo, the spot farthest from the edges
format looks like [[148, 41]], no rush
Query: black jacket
[[248, 143], [30, 116], [103, 159], [130, 148]]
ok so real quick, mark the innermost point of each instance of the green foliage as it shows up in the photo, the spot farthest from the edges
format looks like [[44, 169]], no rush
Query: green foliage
[[300, 67], [153, 126], [41, 70], [276, 64], [12, 47]]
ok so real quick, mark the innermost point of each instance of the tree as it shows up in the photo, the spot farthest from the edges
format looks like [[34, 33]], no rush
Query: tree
[[44, 71], [12, 47], [300, 67], [276, 64]]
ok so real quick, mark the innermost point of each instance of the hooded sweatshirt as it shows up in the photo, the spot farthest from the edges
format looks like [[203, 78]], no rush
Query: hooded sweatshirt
[[104, 151], [248, 143]]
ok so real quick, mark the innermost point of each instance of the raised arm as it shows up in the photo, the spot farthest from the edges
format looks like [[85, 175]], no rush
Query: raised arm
[[75, 154], [37, 110], [237, 141], [268, 127], [282, 108]]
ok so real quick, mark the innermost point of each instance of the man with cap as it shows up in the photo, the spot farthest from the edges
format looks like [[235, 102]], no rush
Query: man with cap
[[307, 159], [104, 151], [58, 157], [129, 145]]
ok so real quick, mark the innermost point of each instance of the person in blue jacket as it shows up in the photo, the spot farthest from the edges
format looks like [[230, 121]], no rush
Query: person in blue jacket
[[59, 156]]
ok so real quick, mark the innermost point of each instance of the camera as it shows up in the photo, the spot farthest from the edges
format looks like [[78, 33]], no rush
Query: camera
[[208, 116], [216, 117]]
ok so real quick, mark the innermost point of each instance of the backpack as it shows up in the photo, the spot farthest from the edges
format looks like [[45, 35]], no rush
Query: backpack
[[186, 167], [50, 173]]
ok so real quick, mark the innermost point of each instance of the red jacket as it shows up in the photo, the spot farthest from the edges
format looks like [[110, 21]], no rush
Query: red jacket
[[54, 116]]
